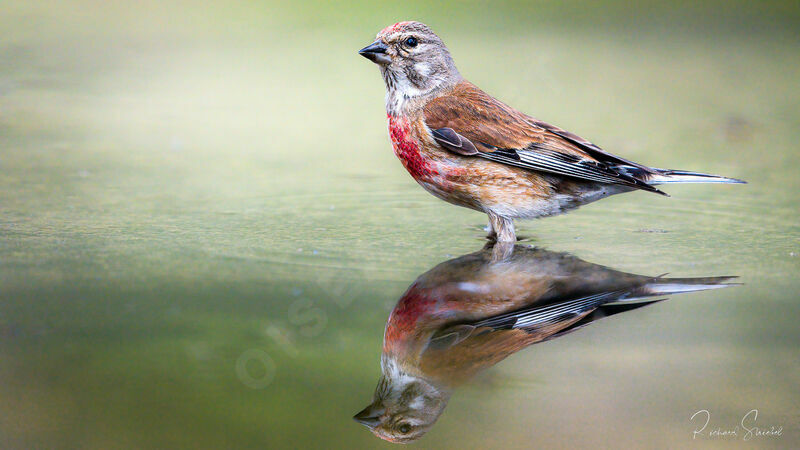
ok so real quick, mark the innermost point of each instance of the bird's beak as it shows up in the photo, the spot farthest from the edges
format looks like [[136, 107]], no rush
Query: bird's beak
[[369, 416], [376, 52]]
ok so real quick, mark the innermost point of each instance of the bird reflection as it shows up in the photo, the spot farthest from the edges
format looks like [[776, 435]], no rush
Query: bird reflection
[[471, 312]]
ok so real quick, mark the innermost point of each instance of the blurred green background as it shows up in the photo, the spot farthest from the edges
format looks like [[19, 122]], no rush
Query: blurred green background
[[203, 227]]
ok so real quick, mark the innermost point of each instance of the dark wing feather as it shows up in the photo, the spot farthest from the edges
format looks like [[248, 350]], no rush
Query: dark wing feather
[[539, 316], [593, 150], [469, 122], [454, 142]]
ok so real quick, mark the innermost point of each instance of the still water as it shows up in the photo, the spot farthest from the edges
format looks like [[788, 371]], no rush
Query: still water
[[203, 235]]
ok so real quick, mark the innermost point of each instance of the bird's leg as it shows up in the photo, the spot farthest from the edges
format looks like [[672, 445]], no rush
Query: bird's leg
[[501, 228], [492, 234], [501, 251]]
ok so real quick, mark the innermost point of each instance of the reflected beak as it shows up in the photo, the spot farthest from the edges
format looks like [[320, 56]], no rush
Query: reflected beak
[[369, 416], [376, 52]]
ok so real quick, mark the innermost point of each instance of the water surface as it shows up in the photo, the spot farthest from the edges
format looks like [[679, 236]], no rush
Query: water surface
[[203, 228]]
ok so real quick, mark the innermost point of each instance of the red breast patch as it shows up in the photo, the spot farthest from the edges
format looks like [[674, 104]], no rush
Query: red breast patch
[[407, 150]]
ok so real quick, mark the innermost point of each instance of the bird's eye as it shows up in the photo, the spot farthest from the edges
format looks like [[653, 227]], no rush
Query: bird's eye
[[405, 428], [411, 42]]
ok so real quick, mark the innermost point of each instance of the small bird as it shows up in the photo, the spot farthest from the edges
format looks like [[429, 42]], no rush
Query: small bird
[[469, 313], [468, 148]]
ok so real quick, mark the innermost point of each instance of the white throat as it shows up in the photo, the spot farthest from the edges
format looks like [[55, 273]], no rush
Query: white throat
[[400, 91]]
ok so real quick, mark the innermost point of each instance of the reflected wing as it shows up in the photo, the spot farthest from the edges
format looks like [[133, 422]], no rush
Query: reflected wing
[[531, 319], [536, 318]]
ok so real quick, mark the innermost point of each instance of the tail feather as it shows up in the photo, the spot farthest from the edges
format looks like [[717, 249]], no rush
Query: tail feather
[[669, 286], [659, 286], [664, 176]]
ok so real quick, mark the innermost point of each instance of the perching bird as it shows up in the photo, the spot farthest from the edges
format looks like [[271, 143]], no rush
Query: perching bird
[[468, 148], [470, 313]]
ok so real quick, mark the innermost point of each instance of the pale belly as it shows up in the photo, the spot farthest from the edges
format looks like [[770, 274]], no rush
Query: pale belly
[[514, 195]]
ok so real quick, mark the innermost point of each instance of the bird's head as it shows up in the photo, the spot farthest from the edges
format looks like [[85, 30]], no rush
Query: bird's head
[[403, 408], [412, 59]]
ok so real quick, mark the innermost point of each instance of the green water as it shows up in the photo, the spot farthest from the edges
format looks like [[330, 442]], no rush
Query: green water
[[203, 228]]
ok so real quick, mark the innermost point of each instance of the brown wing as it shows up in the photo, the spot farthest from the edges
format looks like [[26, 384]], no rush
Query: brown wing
[[472, 123]]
